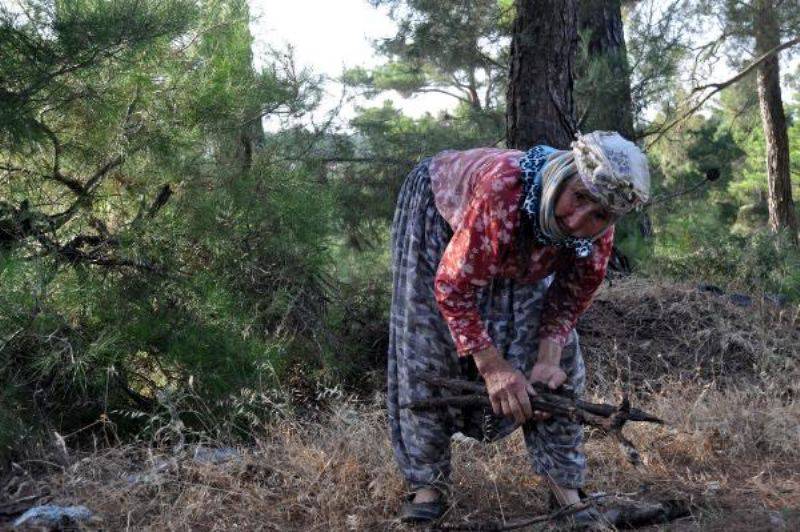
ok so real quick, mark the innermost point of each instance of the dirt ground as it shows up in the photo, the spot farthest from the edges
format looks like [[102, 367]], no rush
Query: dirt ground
[[724, 377]]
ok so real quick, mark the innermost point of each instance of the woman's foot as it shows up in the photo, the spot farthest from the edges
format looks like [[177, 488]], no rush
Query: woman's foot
[[560, 497], [423, 495], [424, 506], [565, 496]]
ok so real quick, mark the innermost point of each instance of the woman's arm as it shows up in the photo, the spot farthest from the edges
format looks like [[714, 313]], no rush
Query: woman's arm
[[572, 290], [566, 300], [473, 257], [470, 261]]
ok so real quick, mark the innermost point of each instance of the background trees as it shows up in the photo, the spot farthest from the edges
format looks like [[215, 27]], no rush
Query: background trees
[[758, 30], [603, 91]]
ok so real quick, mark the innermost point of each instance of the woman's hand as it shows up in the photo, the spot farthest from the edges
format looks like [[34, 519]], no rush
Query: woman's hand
[[508, 388], [549, 374], [547, 370]]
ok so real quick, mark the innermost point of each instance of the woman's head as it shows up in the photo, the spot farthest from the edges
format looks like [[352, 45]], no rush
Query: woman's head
[[578, 213], [613, 169], [586, 189]]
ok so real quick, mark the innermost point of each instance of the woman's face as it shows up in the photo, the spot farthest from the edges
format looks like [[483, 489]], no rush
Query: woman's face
[[577, 213]]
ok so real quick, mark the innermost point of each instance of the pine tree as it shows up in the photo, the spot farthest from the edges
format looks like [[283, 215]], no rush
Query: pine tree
[[540, 106], [757, 27]]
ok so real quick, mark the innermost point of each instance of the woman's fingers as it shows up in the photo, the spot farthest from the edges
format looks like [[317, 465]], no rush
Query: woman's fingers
[[525, 405], [509, 393], [518, 402], [556, 380], [497, 406], [506, 406], [530, 389], [516, 409]]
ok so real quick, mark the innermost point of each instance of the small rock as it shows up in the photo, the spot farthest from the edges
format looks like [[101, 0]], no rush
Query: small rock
[[52, 516], [460, 437], [156, 473], [779, 300], [209, 455], [144, 478], [776, 521], [705, 287], [740, 300]]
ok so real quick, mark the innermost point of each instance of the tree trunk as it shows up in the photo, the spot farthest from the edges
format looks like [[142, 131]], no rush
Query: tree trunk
[[781, 207], [540, 108], [609, 105], [604, 96]]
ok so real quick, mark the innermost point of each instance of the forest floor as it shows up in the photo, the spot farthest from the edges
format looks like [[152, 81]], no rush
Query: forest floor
[[725, 377]]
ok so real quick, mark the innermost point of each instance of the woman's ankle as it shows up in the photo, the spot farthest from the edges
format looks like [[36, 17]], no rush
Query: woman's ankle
[[564, 496], [425, 494]]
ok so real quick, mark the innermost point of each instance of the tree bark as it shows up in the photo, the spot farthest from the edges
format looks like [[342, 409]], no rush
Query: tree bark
[[540, 107], [782, 215], [601, 21]]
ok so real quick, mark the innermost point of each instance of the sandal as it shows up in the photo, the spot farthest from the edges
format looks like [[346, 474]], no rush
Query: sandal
[[421, 512]]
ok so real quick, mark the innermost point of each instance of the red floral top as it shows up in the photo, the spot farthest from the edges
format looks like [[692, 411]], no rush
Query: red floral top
[[478, 192]]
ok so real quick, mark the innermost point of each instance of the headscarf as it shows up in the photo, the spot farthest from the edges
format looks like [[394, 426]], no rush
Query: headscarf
[[613, 170], [538, 207]]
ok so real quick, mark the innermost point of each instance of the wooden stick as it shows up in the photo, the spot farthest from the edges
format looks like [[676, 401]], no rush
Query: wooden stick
[[607, 418], [544, 400]]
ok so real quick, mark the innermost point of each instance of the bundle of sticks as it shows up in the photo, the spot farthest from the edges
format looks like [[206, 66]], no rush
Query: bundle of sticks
[[607, 418]]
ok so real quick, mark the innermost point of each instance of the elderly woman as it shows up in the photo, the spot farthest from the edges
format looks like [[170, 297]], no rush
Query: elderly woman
[[495, 255]]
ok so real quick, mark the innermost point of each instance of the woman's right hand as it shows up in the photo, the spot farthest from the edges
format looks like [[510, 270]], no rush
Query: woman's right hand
[[508, 388]]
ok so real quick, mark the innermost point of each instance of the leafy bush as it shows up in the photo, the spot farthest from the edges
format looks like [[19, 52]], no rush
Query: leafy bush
[[760, 263]]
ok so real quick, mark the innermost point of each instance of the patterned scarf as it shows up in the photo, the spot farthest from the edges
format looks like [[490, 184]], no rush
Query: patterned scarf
[[613, 169], [541, 214]]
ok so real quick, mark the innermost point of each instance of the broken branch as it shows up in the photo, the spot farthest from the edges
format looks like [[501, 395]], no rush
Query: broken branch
[[607, 418]]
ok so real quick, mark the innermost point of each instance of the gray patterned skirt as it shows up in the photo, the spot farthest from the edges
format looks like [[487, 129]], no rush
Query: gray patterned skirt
[[420, 341]]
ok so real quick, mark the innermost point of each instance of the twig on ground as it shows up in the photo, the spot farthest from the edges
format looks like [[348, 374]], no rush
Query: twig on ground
[[521, 522]]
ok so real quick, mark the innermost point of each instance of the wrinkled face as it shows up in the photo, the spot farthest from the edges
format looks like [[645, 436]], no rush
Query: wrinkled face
[[577, 213]]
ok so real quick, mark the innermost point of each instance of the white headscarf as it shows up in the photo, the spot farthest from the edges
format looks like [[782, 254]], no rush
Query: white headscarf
[[613, 169]]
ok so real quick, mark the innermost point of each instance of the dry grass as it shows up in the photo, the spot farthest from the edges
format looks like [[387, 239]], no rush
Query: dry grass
[[725, 378]]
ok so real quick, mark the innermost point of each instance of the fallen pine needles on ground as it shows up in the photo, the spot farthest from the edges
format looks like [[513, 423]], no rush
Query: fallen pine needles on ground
[[724, 379]]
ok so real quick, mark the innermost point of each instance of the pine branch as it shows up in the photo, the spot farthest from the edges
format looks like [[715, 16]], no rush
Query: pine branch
[[715, 88]]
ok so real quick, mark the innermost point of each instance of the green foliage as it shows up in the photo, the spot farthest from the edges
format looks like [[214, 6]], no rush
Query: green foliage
[[454, 48], [369, 165], [49, 48], [147, 245], [719, 233], [696, 248], [657, 44]]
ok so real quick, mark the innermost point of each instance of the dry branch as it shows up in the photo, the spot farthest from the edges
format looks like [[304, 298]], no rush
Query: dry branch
[[622, 513], [607, 418], [697, 92]]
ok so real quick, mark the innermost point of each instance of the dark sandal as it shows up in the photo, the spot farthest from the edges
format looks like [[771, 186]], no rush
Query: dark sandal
[[421, 512]]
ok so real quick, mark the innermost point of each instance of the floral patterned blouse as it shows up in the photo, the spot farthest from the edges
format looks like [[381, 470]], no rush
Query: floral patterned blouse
[[478, 192]]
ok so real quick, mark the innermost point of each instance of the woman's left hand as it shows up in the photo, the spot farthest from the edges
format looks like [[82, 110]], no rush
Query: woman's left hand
[[552, 376], [547, 370], [549, 374]]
